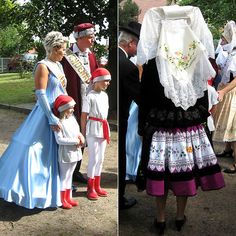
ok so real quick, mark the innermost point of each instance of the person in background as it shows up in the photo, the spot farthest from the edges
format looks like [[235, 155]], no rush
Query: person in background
[[225, 113], [84, 35], [129, 90]]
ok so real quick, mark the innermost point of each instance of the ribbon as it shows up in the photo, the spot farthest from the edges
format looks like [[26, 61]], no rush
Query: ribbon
[[105, 127]]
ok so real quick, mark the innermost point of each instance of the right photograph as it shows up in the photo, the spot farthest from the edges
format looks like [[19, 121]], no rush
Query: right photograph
[[177, 118]]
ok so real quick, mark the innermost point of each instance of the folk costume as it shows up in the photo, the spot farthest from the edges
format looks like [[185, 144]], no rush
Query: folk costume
[[96, 107], [68, 152], [75, 88], [29, 166], [88, 58], [225, 114], [176, 152]]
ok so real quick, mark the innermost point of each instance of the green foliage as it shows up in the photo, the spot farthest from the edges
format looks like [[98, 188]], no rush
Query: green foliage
[[16, 90], [6, 8], [43, 16], [100, 50], [216, 13], [9, 41], [129, 12]]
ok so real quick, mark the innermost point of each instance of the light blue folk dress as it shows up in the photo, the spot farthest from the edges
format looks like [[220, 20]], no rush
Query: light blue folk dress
[[29, 173]]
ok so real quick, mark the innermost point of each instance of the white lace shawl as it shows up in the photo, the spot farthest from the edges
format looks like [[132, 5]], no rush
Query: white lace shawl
[[229, 68], [178, 37]]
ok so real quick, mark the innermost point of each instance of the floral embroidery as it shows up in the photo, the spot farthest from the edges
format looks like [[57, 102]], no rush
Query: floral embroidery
[[180, 151], [189, 149], [180, 60]]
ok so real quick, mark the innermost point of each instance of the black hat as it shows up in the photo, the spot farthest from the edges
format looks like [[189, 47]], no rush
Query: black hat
[[132, 28]]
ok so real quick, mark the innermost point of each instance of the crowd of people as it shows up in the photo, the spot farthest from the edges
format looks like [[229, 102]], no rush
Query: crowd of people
[[180, 103], [171, 111]]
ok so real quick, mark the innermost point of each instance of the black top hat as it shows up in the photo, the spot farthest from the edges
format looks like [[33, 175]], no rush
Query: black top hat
[[132, 28]]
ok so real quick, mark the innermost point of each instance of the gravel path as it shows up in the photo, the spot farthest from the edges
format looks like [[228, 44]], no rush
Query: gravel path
[[89, 218]]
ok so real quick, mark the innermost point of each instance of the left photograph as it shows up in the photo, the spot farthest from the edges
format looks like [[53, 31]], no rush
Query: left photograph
[[58, 118]]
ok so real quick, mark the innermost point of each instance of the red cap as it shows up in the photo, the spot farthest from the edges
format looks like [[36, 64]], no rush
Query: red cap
[[62, 103], [84, 29], [100, 74]]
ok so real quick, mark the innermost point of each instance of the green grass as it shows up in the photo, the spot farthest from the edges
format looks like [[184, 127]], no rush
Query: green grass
[[16, 90]]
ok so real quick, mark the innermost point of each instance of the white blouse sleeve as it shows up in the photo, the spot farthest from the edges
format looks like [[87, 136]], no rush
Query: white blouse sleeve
[[61, 140]]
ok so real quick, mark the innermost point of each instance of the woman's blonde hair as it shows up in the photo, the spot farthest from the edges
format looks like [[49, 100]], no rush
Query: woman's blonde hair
[[53, 39]]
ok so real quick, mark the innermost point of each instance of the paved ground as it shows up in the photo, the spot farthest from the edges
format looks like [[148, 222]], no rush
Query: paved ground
[[90, 218]]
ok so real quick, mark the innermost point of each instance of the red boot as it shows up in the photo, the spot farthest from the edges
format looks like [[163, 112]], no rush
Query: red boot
[[101, 192], [65, 204], [69, 199], [91, 193]]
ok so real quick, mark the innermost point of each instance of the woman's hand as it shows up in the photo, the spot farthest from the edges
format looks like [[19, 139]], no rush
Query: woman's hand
[[56, 128], [221, 94]]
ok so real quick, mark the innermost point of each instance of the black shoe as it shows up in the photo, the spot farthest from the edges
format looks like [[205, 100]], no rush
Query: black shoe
[[180, 223], [127, 203], [231, 171], [74, 188], [225, 154], [160, 226], [78, 177]]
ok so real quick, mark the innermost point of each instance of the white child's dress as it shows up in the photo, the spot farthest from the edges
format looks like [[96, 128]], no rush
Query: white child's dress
[[67, 138]]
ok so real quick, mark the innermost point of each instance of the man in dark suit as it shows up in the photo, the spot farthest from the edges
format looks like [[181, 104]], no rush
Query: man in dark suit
[[129, 89], [85, 37]]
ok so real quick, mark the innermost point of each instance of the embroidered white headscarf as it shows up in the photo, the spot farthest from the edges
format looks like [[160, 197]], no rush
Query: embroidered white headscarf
[[229, 65], [181, 42]]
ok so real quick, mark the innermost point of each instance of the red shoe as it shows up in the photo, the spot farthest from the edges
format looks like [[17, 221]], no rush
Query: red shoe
[[69, 199], [65, 204], [100, 191], [91, 193]]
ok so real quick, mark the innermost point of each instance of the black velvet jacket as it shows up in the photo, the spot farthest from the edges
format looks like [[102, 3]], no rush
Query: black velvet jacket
[[158, 111]]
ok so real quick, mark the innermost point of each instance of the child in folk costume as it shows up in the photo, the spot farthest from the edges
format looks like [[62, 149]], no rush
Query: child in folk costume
[[95, 128], [70, 141]]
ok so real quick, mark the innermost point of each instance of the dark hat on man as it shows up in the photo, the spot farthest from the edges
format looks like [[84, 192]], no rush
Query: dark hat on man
[[132, 27], [84, 29]]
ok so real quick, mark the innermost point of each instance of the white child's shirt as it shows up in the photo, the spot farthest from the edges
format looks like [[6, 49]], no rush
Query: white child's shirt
[[96, 105], [212, 100], [67, 139]]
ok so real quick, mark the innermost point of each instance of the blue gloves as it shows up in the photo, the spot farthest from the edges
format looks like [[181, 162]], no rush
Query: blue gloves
[[44, 104]]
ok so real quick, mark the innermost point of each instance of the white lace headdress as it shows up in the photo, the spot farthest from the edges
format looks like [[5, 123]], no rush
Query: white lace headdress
[[181, 42]]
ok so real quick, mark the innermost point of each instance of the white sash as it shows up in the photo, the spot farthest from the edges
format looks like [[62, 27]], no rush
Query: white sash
[[57, 70], [78, 66]]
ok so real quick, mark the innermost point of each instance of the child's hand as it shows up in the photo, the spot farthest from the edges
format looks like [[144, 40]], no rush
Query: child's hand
[[82, 139]]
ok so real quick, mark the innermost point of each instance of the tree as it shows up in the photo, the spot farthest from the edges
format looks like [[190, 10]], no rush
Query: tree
[[129, 12], [6, 7], [10, 40], [43, 16], [216, 13]]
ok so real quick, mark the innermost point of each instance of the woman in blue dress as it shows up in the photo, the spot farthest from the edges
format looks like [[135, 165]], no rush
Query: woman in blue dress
[[29, 168]]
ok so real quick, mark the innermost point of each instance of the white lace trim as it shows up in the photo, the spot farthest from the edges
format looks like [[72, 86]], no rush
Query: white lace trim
[[230, 67], [169, 30]]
